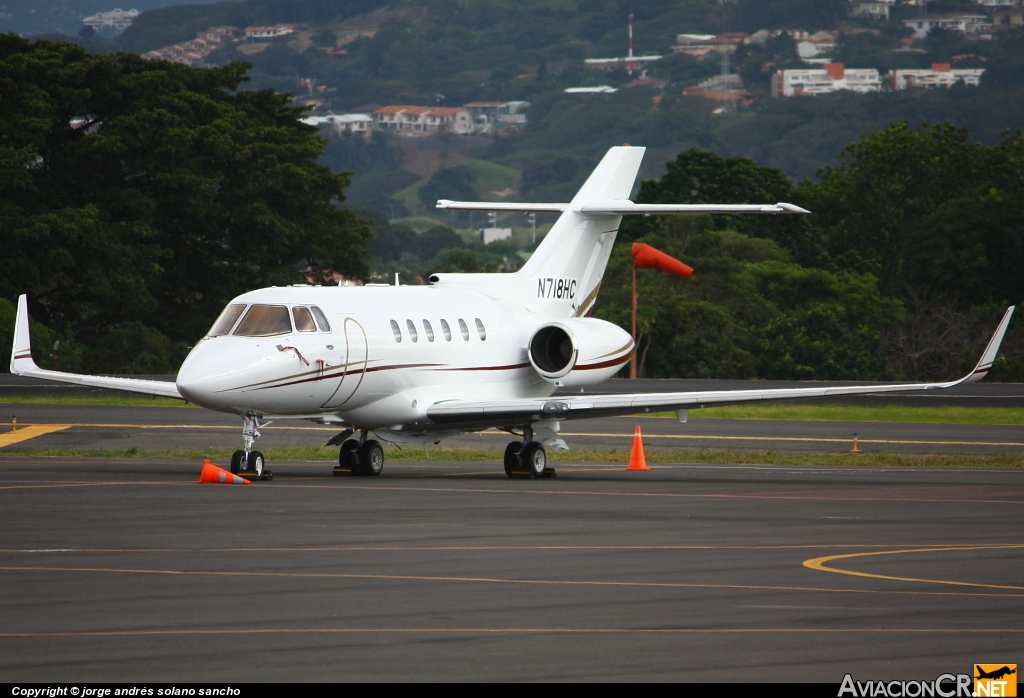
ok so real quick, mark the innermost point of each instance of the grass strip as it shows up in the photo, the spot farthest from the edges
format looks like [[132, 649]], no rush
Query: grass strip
[[329, 455], [1010, 416], [114, 400]]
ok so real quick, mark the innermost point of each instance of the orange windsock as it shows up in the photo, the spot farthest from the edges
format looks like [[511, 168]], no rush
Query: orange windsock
[[212, 474], [636, 456], [646, 257]]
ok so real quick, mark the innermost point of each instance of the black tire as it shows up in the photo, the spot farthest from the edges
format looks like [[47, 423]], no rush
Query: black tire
[[371, 458], [347, 458], [236, 461], [534, 459], [256, 463], [512, 452]]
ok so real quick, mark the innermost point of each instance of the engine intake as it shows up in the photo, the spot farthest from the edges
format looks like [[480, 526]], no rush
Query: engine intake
[[553, 351]]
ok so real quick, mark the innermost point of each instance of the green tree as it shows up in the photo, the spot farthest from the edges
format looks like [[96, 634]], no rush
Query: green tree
[[699, 176], [145, 191]]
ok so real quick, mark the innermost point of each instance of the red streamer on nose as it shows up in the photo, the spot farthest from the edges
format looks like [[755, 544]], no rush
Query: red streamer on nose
[[646, 257]]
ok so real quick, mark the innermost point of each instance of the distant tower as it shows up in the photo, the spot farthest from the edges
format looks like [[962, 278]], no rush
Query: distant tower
[[629, 52]]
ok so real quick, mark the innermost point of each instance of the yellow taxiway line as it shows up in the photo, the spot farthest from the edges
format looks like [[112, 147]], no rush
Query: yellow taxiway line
[[29, 432], [818, 563]]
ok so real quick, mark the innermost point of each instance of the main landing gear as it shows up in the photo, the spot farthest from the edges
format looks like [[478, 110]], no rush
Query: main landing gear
[[360, 457], [527, 458], [250, 464]]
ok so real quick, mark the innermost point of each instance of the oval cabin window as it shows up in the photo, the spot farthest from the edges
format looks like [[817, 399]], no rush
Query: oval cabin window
[[464, 328], [446, 330], [480, 330], [396, 330], [412, 330], [428, 330]]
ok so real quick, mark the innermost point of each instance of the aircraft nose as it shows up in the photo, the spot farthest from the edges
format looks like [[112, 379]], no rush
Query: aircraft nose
[[200, 376]]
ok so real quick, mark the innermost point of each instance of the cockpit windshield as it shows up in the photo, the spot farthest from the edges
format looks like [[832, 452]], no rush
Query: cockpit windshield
[[263, 321], [227, 320]]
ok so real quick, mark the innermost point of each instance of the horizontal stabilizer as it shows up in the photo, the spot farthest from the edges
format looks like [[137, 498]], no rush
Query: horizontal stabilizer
[[448, 205], [620, 208]]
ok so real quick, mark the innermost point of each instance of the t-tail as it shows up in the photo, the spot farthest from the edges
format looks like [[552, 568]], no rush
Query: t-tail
[[563, 277]]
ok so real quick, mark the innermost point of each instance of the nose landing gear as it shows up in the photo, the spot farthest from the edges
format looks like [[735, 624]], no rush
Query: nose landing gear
[[248, 463]]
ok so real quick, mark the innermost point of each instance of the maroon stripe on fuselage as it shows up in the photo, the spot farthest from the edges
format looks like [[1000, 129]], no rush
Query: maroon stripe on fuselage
[[342, 374], [604, 364], [510, 367]]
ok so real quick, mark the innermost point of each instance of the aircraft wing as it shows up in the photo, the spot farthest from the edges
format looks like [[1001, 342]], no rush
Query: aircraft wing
[[469, 414], [23, 365]]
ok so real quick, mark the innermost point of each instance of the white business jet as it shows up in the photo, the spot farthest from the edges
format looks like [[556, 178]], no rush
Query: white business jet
[[467, 352]]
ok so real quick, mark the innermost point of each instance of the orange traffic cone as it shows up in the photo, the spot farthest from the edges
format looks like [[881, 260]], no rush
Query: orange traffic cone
[[636, 456], [212, 474]]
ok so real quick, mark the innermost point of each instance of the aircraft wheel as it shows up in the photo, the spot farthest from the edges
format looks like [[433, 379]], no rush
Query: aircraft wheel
[[534, 459], [347, 457], [371, 458], [256, 463], [236, 461], [512, 452]]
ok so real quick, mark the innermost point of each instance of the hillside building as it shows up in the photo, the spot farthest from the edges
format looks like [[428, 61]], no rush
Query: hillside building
[[831, 78], [940, 75], [269, 32], [961, 22], [1008, 19], [490, 115], [361, 124], [877, 9], [413, 120], [117, 19]]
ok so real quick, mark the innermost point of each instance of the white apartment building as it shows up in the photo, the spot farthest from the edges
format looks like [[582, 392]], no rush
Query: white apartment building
[[830, 78], [352, 123], [955, 21], [117, 19], [268, 32], [940, 75]]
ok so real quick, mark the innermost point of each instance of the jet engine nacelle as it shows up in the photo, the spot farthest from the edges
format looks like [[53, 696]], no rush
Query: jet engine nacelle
[[579, 351]]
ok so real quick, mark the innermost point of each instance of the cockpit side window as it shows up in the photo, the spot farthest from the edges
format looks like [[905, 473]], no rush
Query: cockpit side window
[[303, 319], [321, 319], [264, 321], [227, 320]]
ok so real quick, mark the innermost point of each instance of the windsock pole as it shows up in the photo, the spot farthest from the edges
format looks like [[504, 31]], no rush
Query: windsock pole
[[632, 325]]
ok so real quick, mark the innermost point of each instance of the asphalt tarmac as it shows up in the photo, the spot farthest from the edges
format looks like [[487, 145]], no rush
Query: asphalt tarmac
[[126, 570]]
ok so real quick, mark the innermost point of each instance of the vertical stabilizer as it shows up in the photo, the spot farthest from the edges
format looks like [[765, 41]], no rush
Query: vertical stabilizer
[[567, 267]]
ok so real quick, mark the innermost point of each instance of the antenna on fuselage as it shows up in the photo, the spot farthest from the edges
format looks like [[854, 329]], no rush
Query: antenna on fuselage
[[396, 279]]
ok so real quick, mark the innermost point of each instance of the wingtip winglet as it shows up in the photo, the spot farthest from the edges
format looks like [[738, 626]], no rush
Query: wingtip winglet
[[988, 357], [21, 349]]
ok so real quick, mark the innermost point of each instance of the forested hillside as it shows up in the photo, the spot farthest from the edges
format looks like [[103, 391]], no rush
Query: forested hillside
[[912, 248]]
